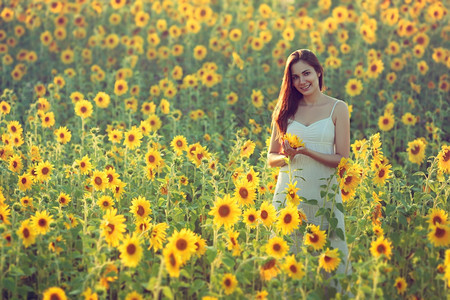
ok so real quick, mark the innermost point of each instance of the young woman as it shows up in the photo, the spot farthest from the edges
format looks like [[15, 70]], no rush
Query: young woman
[[323, 124]]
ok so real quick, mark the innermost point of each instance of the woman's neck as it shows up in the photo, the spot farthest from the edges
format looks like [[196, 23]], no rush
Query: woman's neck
[[313, 100]]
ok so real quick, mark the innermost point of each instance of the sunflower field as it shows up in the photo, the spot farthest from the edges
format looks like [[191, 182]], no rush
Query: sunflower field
[[134, 137]]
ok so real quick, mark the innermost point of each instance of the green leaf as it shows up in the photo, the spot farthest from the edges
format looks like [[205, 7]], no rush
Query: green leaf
[[340, 206], [350, 238], [340, 233], [211, 254], [228, 261], [389, 209], [320, 212], [322, 194], [333, 222], [311, 202], [167, 292], [402, 220]]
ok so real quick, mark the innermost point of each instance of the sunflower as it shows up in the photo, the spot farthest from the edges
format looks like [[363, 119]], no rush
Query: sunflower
[[252, 177], [244, 193], [140, 207], [134, 296], [83, 109], [269, 269], [130, 251], [112, 176], [158, 236], [351, 179], [113, 227], [179, 144], [267, 213], [183, 243], [99, 180], [381, 246], [120, 87], [133, 138], [73, 222], [294, 140], [25, 182], [288, 219], [15, 163], [416, 151], [102, 99], [353, 87], [5, 108], [4, 214], [41, 222], [226, 211], [443, 158], [401, 285], [409, 119], [232, 242], [277, 247], [48, 119], [291, 194], [115, 136], [27, 233], [119, 189], [200, 52], [26, 201], [229, 283], [382, 174], [439, 234], [386, 122], [84, 164], [63, 199], [315, 237], [154, 121], [293, 268], [54, 293], [329, 260], [63, 135], [250, 217], [437, 215], [153, 158], [200, 245], [14, 127], [377, 230], [44, 170], [247, 149], [172, 261]]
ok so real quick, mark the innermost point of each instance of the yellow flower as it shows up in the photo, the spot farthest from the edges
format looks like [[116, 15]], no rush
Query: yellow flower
[[54, 293], [41, 222], [84, 164], [409, 119], [315, 237], [250, 217], [386, 122], [416, 151], [105, 202], [172, 261], [63, 135], [158, 236], [130, 251], [27, 233], [133, 138], [381, 246], [226, 211], [200, 52], [245, 193], [291, 194], [83, 109], [294, 140], [288, 219], [25, 182], [48, 119], [257, 98], [102, 99], [401, 285], [443, 158], [232, 242], [277, 247], [44, 170], [247, 149], [113, 227], [64, 199], [99, 180], [120, 87], [293, 268], [183, 243], [179, 144], [382, 174], [329, 260], [229, 283], [4, 214], [439, 234], [353, 87], [140, 207], [375, 68]]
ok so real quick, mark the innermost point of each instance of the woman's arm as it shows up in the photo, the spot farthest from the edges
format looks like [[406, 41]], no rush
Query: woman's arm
[[342, 140], [275, 155]]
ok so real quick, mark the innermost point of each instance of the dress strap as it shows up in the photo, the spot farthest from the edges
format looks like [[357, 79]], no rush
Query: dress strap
[[333, 108]]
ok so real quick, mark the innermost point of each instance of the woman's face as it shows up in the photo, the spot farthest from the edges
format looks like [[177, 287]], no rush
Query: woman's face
[[304, 78]]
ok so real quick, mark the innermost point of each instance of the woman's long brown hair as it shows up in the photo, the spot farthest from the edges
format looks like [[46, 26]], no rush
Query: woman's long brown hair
[[289, 96]]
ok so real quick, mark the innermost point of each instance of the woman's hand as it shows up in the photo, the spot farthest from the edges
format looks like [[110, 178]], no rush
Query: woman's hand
[[291, 152]]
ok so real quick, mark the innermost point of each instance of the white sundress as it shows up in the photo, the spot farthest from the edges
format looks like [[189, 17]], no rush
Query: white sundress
[[318, 136]]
